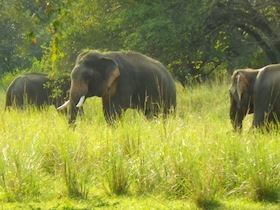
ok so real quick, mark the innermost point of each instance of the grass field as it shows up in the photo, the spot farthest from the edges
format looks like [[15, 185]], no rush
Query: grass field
[[192, 160]]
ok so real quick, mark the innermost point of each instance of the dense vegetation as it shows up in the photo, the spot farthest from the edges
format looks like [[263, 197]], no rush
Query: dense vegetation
[[193, 38], [192, 160]]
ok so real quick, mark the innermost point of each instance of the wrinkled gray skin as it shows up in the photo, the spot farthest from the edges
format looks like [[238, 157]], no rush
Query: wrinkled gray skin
[[267, 96], [123, 80], [30, 88], [241, 94]]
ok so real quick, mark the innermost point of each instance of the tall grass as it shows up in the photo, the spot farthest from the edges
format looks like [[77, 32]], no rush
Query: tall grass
[[193, 155]]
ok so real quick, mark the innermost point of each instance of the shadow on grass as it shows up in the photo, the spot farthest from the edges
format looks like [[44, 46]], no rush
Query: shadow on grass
[[75, 204], [208, 203], [270, 195]]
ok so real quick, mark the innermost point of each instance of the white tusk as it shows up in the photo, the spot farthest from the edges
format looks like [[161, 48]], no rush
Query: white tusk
[[81, 101], [64, 106]]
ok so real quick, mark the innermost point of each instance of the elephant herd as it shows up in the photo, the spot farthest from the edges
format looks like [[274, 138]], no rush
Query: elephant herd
[[122, 79], [132, 80]]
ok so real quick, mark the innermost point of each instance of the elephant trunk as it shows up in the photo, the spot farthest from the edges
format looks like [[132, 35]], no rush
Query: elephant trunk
[[73, 110], [76, 100]]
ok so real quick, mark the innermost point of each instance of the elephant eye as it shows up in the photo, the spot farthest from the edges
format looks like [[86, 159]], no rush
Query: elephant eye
[[87, 75]]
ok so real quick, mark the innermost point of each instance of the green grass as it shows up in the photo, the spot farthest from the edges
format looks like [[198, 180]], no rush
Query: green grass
[[190, 161]]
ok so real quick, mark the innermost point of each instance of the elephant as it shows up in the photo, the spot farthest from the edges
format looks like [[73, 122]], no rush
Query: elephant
[[241, 94], [123, 79], [255, 91], [267, 97], [36, 89]]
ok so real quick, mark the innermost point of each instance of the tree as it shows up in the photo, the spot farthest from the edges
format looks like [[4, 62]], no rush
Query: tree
[[18, 45], [255, 22], [195, 39], [26, 30], [169, 31]]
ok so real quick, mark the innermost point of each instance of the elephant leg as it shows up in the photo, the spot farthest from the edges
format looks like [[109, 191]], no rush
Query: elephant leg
[[111, 112], [261, 114], [19, 101], [274, 110], [148, 113], [265, 101], [152, 110], [273, 117], [151, 106], [112, 116]]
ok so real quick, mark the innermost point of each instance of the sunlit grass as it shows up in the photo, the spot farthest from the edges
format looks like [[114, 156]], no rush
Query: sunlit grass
[[191, 157]]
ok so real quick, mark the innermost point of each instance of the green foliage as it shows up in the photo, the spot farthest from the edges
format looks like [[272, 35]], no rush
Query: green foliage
[[78, 179], [22, 35], [116, 174], [181, 34], [193, 38]]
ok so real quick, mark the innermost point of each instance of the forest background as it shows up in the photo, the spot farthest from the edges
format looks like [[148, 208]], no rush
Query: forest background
[[192, 161], [197, 40]]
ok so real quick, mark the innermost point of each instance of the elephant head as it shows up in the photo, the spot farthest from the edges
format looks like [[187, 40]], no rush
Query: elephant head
[[93, 75], [241, 94]]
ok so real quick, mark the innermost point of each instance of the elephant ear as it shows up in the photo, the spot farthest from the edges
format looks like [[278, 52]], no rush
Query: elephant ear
[[80, 56], [242, 83], [110, 71]]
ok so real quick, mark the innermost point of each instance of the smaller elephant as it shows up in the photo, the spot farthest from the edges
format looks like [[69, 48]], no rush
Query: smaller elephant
[[241, 94], [267, 96], [36, 89]]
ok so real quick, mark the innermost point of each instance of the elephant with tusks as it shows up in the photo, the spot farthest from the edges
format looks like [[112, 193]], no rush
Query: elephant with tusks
[[123, 80]]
